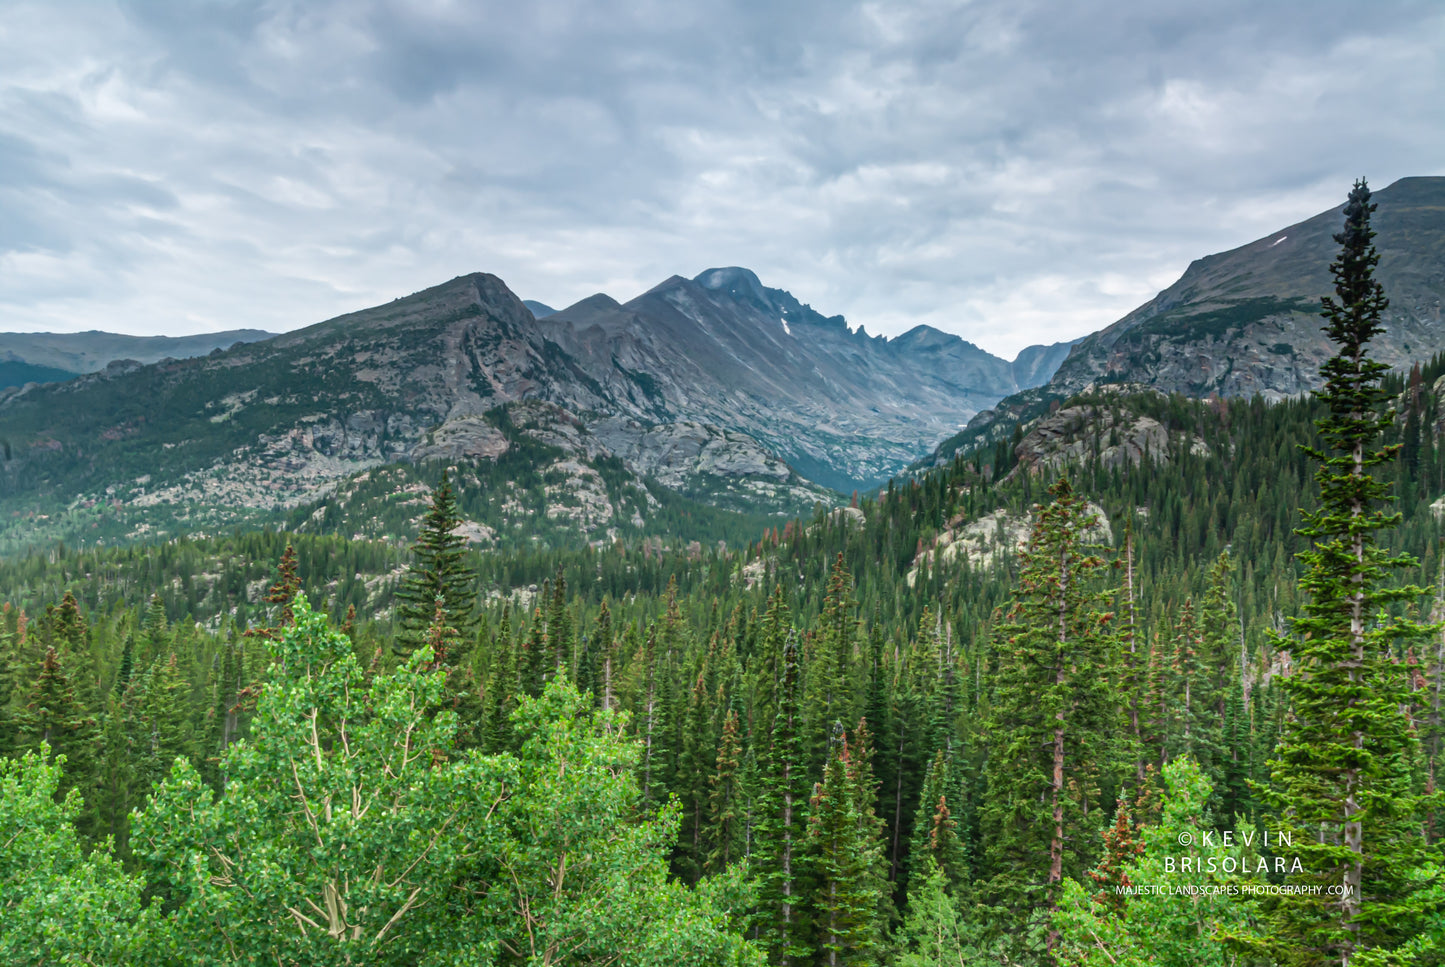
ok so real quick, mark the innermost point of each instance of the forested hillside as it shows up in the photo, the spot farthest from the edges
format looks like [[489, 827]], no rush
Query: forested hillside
[[1003, 712]]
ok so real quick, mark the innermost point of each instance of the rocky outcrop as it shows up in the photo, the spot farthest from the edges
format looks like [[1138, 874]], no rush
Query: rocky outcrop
[[993, 537], [1114, 436], [467, 438]]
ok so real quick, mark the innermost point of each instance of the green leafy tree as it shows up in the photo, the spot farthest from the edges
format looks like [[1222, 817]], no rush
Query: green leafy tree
[[57, 904], [581, 876], [337, 840], [348, 834], [1341, 775]]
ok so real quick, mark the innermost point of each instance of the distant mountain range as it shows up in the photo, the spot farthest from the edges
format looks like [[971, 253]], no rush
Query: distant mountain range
[[718, 388], [844, 408], [47, 357]]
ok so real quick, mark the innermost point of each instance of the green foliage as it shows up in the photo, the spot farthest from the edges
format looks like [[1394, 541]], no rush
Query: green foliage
[[337, 839], [350, 831], [1055, 710], [438, 578], [840, 851], [1158, 913], [723, 670], [57, 904], [582, 878], [936, 933]]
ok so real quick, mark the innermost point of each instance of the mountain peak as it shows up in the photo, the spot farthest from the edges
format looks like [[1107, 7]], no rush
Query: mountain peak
[[728, 277], [740, 283]]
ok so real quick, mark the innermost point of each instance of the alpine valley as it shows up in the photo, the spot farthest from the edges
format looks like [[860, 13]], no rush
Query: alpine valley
[[706, 629]]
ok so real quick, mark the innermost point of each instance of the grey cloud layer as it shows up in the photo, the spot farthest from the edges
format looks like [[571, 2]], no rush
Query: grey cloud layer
[[1017, 172]]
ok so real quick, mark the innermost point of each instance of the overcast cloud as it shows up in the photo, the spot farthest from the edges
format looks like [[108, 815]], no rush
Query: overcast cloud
[[1010, 170]]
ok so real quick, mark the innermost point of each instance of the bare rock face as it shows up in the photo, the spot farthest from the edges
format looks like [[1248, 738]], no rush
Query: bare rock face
[[470, 437], [674, 452], [1114, 435]]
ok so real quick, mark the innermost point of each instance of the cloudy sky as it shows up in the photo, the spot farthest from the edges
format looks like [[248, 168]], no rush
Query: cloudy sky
[[1016, 171]]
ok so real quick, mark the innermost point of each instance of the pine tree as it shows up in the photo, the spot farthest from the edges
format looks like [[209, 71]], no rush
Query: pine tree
[[839, 852], [165, 722], [286, 586], [936, 844], [781, 827], [437, 571], [155, 630], [1055, 712], [695, 768], [502, 687], [560, 639], [68, 627], [829, 695], [1219, 659], [1340, 772], [726, 822], [1121, 848]]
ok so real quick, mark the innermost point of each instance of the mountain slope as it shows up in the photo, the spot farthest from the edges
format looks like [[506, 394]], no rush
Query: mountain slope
[[245, 434], [845, 408], [1247, 321]]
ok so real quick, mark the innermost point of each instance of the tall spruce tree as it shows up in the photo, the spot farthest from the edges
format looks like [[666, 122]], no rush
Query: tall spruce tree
[[1340, 777], [840, 851], [437, 571], [52, 717], [726, 816], [784, 928], [1056, 710]]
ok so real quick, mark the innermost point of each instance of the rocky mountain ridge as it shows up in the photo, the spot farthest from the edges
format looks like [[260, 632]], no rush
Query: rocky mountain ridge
[[1247, 321], [273, 425], [842, 407]]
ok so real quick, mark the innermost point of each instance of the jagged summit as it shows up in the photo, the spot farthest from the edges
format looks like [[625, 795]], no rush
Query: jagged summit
[[841, 406]]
